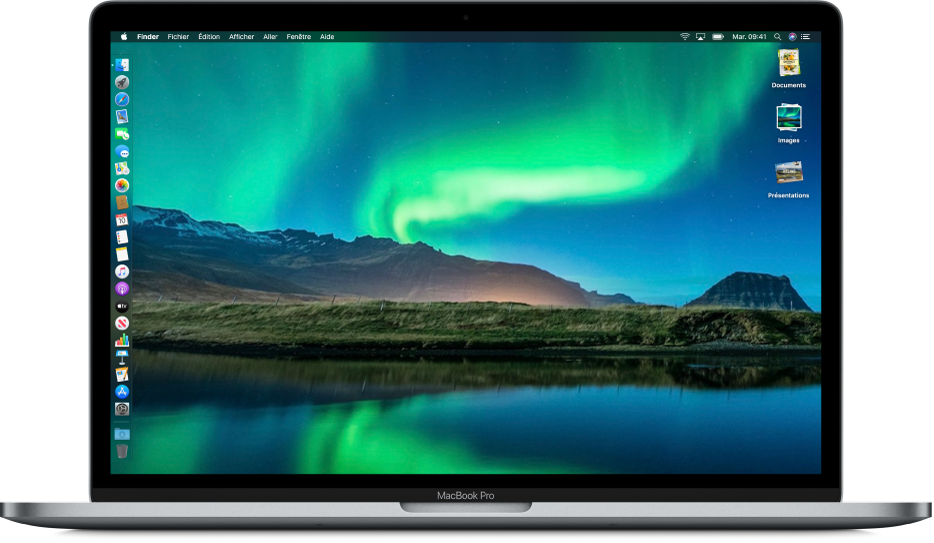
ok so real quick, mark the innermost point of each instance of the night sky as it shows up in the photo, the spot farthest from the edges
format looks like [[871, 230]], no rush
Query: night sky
[[627, 167]]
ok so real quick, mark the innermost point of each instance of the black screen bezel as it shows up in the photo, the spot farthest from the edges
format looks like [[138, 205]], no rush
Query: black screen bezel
[[579, 16]]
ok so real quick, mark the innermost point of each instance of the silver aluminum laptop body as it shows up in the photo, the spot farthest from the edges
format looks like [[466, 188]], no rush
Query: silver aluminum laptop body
[[569, 515], [577, 514]]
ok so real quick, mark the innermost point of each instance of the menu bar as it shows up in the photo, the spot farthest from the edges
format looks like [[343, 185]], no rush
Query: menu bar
[[683, 36]]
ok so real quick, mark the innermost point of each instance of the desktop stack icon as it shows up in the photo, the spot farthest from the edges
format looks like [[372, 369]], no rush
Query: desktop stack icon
[[789, 62]]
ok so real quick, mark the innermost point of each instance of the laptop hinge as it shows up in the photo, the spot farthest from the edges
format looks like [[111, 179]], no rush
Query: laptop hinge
[[465, 507]]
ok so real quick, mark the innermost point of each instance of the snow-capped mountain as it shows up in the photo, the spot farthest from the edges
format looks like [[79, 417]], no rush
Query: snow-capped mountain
[[184, 226], [177, 255]]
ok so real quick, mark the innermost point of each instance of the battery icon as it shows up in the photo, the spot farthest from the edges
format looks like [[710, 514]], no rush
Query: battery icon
[[717, 37]]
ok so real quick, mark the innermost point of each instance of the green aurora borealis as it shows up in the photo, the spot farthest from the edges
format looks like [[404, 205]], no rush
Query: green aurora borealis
[[225, 143], [556, 155], [633, 131]]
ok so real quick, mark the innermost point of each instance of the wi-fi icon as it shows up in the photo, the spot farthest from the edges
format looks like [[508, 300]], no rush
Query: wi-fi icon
[[684, 36]]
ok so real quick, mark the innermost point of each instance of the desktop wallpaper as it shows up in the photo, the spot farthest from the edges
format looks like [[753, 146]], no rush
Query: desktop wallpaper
[[472, 258]]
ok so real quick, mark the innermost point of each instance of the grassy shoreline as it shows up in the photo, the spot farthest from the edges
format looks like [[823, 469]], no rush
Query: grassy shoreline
[[381, 329]]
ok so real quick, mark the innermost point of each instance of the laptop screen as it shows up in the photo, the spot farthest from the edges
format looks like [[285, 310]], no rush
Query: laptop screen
[[471, 253]]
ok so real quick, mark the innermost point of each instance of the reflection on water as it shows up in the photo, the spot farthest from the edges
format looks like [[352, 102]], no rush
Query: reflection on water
[[208, 414]]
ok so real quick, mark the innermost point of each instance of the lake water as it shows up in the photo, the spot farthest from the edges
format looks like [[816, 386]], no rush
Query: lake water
[[212, 414]]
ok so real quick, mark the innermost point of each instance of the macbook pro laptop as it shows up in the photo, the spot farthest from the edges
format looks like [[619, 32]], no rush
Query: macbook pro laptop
[[465, 265]]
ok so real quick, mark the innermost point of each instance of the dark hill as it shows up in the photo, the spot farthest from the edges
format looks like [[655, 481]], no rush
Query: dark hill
[[753, 290]]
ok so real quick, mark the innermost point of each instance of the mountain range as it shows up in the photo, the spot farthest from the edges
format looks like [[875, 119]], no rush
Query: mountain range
[[175, 255]]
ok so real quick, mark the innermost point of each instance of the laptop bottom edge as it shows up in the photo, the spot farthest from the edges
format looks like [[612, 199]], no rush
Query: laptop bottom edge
[[390, 515]]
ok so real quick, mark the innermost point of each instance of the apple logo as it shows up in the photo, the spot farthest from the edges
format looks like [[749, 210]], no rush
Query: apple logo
[[123, 36]]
